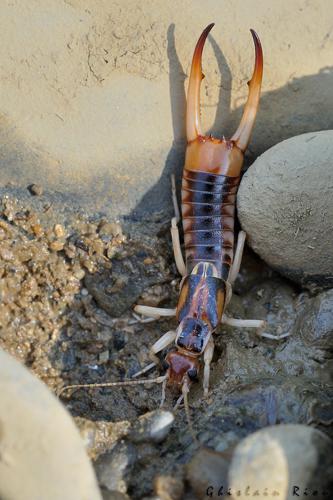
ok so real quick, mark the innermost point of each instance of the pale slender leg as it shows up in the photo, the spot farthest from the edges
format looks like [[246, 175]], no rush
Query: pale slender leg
[[174, 198], [159, 345], [238, 257], [139, 319], [252, 323], [178, 402], [228, 293], [163, 393], [177, 251], [154, 312], [243, 323], [273, 337], [208, 356]]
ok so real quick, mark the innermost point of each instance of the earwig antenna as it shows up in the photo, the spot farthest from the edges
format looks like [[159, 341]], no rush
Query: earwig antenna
[[144, 370], [185, 391], [157, 380], [163, 392], [178, 402]]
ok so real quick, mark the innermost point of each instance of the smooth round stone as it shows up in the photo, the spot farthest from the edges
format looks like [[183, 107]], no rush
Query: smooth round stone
[[285, 205], [282, 461], [42, 455]]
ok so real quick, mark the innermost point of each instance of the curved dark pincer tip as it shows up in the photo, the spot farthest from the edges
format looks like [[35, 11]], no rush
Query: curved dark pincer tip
[[193, 127], [258, 68], [242, 135]]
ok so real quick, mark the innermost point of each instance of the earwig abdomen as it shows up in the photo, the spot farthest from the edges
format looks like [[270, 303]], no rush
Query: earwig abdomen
[[208, 210]]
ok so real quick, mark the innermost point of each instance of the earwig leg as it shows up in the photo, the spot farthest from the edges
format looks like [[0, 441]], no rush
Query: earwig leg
[[228, 293], [273, 337], [163, 393], [238, 257], [243, 323], [159, 345], [208, 356], [153, 313], [156, 312], [174, 198], [145, 370], [177, 251], [252, 323], [178, 402], [138, 319]]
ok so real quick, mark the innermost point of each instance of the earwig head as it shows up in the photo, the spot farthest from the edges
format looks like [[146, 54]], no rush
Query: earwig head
[[182, 369]]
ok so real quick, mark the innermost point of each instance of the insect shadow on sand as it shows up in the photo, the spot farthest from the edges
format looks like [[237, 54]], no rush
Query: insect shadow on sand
[[159, 196]]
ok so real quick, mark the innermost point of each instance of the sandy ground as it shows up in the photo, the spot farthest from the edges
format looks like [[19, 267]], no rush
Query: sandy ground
[[93, 93]]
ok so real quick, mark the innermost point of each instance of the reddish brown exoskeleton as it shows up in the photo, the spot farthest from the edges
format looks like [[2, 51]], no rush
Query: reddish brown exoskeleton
[[211, 177]]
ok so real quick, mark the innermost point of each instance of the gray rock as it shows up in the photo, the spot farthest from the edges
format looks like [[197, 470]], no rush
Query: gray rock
[[132, 273], [207, 473], [100, 436], [285, 205], [153, 426], [113, 466], [315, 321], [282, 461], [42, 455]]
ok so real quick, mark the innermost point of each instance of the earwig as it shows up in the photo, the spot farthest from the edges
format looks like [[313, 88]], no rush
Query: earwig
[[211, 176], [210, 181]]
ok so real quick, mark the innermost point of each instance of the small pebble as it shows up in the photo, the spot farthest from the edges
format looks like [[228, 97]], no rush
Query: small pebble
[[79, 274], [90, 265], [110, 229], [56, 245], [103, 356], [113, 467], [37, 230], [70, 251], [153, 426], [59, 230], [6, 254], [36, 189], [315, 321], [169, 488]]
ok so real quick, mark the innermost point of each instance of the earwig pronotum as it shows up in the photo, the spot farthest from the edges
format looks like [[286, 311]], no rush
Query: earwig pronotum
[[210, 181]]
